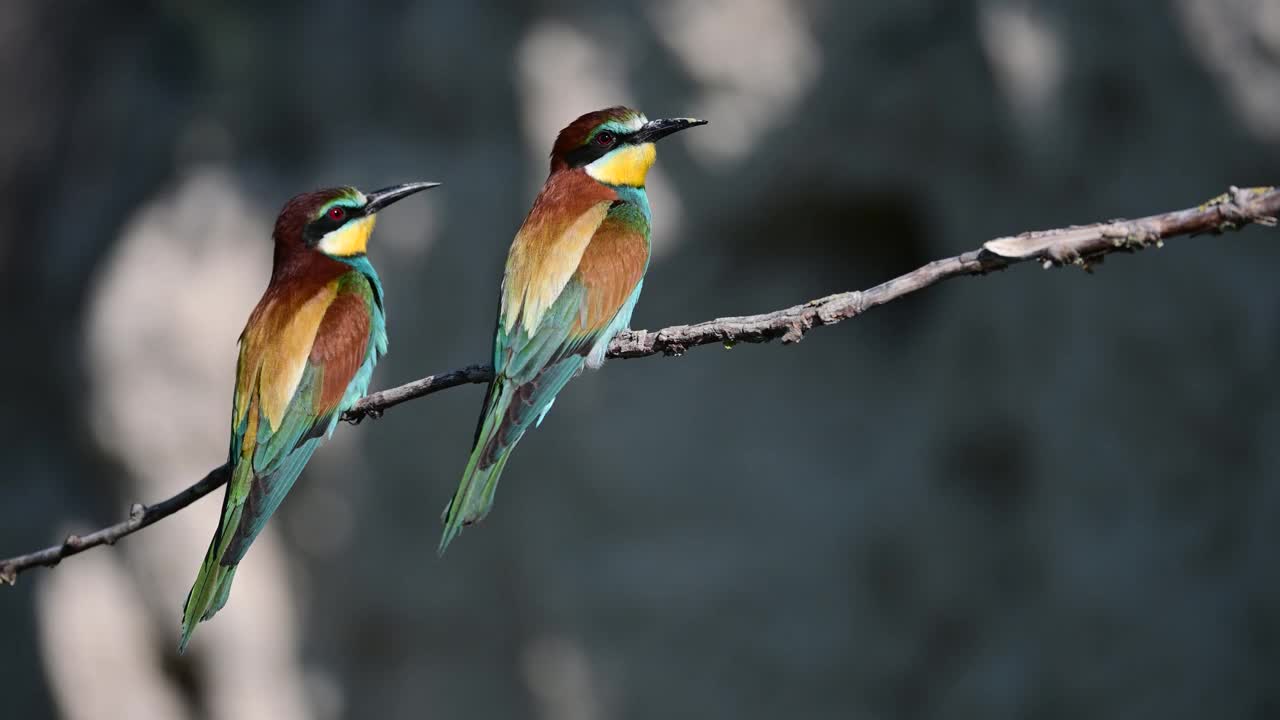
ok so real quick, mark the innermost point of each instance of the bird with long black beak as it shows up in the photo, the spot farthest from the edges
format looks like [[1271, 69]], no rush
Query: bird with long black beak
[[573, 276], [306, 356]]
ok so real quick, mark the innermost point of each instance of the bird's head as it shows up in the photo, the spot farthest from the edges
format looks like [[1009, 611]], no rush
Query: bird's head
[[337, 221], [614, 145]]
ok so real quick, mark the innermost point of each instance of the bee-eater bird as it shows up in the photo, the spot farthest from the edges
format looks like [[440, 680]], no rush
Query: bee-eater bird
[[306, 356], [572, 279]]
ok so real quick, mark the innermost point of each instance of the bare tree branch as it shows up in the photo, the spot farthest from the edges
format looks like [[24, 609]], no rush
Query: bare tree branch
[[1084, 246], [140, 516]]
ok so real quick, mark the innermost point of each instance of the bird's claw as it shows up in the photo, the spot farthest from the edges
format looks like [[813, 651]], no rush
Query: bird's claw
[[372, 414]]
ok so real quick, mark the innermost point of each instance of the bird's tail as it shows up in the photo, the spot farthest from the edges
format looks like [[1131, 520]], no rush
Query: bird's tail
[[213, 582], [474, 496], [510, 410]]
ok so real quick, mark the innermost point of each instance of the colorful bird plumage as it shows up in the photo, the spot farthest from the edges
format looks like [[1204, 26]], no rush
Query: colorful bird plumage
[[306, 356], [573, 275]]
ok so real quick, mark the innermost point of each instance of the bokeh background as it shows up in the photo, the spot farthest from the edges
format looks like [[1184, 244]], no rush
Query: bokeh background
[[1030, 495]]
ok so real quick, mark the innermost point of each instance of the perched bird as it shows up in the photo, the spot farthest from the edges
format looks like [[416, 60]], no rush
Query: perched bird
[[572, 278], [306, 355]]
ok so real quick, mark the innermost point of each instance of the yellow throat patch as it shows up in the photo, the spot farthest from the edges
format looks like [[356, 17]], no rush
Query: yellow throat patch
[[625, 166], [350, 239]]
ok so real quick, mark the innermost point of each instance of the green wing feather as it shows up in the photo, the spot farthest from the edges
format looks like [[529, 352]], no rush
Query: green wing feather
[[529, 372], [255, 490], [531, 369], [267, 462]]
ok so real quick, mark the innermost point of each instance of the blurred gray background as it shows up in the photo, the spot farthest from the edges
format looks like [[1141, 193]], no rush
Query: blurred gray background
[[1030, 495]]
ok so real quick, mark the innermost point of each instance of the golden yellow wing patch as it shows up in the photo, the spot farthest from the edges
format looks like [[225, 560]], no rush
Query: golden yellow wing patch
[[274, 351], [539, 266]]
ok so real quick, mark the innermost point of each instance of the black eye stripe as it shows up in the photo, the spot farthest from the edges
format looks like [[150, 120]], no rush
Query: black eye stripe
[[323, 225], [592, 151]]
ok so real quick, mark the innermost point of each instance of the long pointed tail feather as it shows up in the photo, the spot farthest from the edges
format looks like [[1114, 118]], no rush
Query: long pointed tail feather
[[474, 496], [510, 410], [208, 594], [213, 582]]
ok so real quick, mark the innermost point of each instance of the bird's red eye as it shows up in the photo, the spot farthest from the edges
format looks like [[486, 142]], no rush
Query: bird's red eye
[[604, 139], [337, 212]]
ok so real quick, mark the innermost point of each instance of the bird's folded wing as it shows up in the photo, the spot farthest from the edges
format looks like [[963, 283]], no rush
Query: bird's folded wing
[[327, 358], [549, 246], [608, 271], [612, 266]]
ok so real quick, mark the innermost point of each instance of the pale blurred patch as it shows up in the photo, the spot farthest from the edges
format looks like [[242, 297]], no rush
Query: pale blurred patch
[[755, 59], [99, 643], [561, 679], [162, 336], [1239, 42], [1027, 57], [553, 51]]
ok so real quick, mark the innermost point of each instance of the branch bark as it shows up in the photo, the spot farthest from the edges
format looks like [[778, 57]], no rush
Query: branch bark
[[1083, 246]]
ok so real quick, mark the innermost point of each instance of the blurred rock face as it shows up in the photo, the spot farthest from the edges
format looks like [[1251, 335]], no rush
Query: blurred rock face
[[1030, 495]]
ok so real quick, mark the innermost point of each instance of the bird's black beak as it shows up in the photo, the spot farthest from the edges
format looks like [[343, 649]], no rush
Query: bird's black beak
[[658, 129], [379, 199]]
